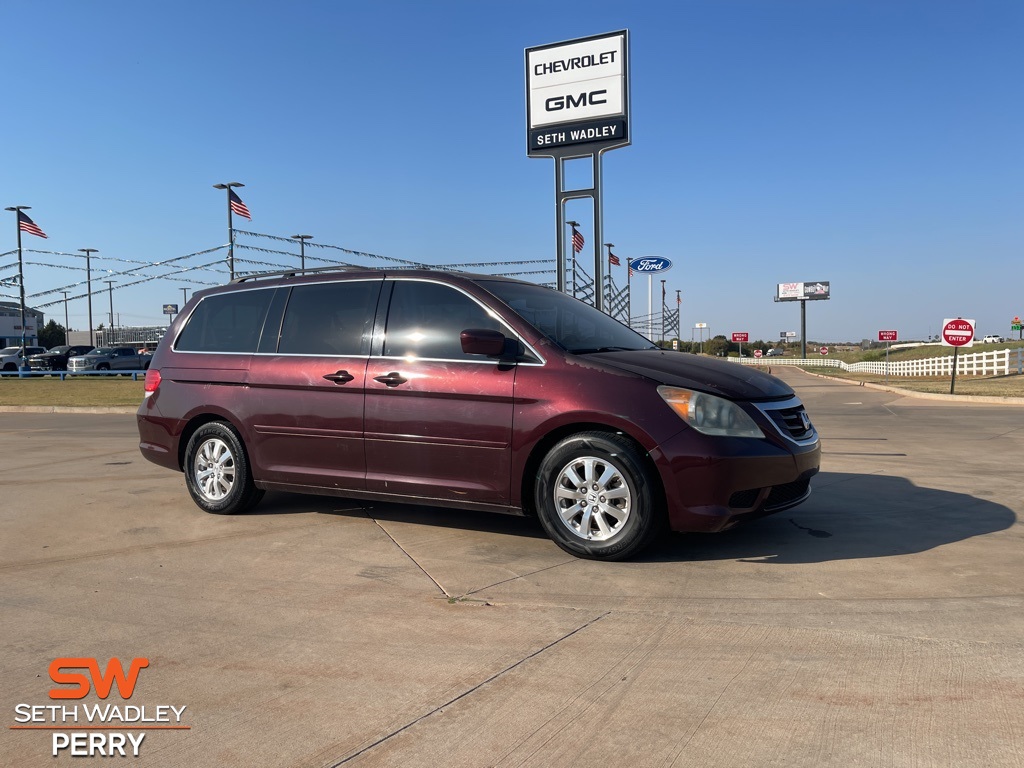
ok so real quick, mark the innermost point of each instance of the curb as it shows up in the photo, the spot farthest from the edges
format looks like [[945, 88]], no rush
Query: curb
[[68, 409], [966, 399]]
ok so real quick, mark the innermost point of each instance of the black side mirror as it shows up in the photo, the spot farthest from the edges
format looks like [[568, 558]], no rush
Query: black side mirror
[[481, 341]]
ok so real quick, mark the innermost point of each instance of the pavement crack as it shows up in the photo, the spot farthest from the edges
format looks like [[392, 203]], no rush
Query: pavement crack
[[414, 560], [570, 561], [468, 692]]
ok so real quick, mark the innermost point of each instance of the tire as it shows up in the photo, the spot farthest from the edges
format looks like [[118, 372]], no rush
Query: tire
[[620, 514], [10, 367], [217, 471], [103, 367]]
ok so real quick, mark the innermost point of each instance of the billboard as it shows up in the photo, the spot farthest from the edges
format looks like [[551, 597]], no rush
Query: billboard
[[802, 291], [577, 92]]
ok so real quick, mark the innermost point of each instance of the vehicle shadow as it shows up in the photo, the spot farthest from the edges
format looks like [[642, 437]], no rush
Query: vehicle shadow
[[848, 516]]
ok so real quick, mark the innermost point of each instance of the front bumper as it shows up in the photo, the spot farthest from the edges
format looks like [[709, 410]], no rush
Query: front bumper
[[712, 484]]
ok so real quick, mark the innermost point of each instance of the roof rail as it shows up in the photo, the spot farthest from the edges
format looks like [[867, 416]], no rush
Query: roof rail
[[294, 272]]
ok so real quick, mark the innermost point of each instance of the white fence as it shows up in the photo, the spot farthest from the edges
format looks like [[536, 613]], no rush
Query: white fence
[[997, 363]]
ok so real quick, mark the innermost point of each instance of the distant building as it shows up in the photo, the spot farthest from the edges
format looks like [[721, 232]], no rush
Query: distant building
[[10, 324]]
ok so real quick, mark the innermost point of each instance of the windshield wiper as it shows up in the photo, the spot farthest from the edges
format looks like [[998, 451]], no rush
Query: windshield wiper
[[587, 350]]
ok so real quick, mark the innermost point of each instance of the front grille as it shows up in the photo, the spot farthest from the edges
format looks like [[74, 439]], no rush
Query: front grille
[[792, 422]]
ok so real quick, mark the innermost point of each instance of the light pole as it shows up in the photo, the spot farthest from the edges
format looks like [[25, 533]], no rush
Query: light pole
[[21, 271], [609, 246], [110, 291], [663, 312], [302, 248], [231, 227], [572, 245], [184, 297], [88, 288], [67, 325]]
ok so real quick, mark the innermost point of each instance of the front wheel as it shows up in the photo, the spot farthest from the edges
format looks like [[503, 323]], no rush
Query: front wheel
[[217, 470], [596, 497]]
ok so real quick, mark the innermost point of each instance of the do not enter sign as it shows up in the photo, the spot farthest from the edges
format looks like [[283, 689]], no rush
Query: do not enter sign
[[957, 332]]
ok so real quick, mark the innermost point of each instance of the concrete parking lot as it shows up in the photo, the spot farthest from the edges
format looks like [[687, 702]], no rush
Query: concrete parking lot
[[879, 624]]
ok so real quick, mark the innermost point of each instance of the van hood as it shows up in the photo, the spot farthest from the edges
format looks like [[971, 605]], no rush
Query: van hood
[[732, 381]]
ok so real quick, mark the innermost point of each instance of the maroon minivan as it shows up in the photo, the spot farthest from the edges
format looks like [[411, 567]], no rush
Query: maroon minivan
[[468, 391]]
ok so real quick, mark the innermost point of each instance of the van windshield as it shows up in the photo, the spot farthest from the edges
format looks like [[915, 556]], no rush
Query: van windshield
[[572, 325]]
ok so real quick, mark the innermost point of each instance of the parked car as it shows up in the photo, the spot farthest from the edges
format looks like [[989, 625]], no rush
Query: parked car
[[992, 340], [466, 391], [109, 359], [11, 358], [56, 359]]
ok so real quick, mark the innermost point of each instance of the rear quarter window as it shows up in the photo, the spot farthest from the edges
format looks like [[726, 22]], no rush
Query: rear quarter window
[[226, 322]]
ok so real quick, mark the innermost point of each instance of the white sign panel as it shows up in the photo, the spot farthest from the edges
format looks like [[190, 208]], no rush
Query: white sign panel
[[577, 92]]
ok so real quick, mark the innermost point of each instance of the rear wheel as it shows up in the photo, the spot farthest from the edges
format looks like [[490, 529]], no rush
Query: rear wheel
[[217, 471], [596, 497]]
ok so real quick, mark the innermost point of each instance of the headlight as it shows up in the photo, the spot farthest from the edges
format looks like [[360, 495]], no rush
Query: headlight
[[709, 414]]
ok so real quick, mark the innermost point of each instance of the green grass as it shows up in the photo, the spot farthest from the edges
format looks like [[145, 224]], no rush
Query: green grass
[[74, 391]]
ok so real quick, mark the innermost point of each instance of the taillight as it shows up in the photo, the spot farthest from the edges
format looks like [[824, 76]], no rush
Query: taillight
[[152, 380]]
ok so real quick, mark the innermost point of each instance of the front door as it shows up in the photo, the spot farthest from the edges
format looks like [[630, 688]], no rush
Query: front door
[[438, 421]]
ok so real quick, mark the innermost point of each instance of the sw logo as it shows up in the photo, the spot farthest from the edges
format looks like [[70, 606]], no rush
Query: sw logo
[[101, 681]]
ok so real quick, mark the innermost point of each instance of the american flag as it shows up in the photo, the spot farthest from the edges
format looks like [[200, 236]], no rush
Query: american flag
[[237, 205], [630, 270], [577, 241], [614, 260], [25, 224], [679, 300]]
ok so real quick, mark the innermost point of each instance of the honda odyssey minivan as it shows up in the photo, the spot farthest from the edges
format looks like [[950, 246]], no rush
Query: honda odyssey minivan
[[466, 391]]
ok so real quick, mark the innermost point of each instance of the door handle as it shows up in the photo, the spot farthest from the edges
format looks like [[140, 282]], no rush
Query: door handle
[[341, 377], [392, 379]]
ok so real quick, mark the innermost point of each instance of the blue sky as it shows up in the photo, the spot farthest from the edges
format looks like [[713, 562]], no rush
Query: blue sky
[[876, 144]]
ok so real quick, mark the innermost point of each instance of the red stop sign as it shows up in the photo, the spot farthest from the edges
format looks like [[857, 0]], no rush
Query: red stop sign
[[958, 332], [824, 350], [757, 353]]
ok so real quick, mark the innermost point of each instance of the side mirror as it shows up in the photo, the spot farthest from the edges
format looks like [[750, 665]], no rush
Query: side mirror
[[480, 341]]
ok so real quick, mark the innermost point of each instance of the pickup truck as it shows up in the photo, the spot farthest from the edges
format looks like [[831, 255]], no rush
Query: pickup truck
[[109, 359], [57, 358], [12, 358]]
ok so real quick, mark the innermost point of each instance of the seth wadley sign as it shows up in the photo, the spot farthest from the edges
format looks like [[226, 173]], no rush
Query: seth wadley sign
[[576, 92]]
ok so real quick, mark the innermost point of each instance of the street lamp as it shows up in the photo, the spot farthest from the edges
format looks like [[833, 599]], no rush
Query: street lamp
[[67, 325], [231, 228], [302, 248], [110, 290], [184, 296], [88, 287]]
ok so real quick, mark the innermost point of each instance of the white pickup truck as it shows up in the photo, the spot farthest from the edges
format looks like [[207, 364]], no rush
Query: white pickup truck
[[12, 358]]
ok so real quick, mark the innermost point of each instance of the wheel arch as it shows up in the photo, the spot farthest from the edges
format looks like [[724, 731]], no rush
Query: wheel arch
[[543, 446], [200, 420]]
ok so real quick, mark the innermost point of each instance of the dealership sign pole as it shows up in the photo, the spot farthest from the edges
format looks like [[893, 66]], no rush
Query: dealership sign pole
[[650, 265], [577, 106], [956, 333]]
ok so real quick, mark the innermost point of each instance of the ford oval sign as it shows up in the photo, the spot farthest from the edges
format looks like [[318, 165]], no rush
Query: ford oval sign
[[650, 264]]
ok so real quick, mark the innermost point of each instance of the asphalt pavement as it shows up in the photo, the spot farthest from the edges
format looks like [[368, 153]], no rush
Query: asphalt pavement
[[879, 624]]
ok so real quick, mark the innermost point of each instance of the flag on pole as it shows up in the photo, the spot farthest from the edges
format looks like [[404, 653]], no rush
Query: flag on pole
[[25, 224], [630, 268], [237, 206], [679, 300], [613, 260], [577, 241]]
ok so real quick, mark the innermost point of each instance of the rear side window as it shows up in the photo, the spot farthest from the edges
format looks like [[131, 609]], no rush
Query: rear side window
[[330, 318], [227, 322], [425, 320]]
